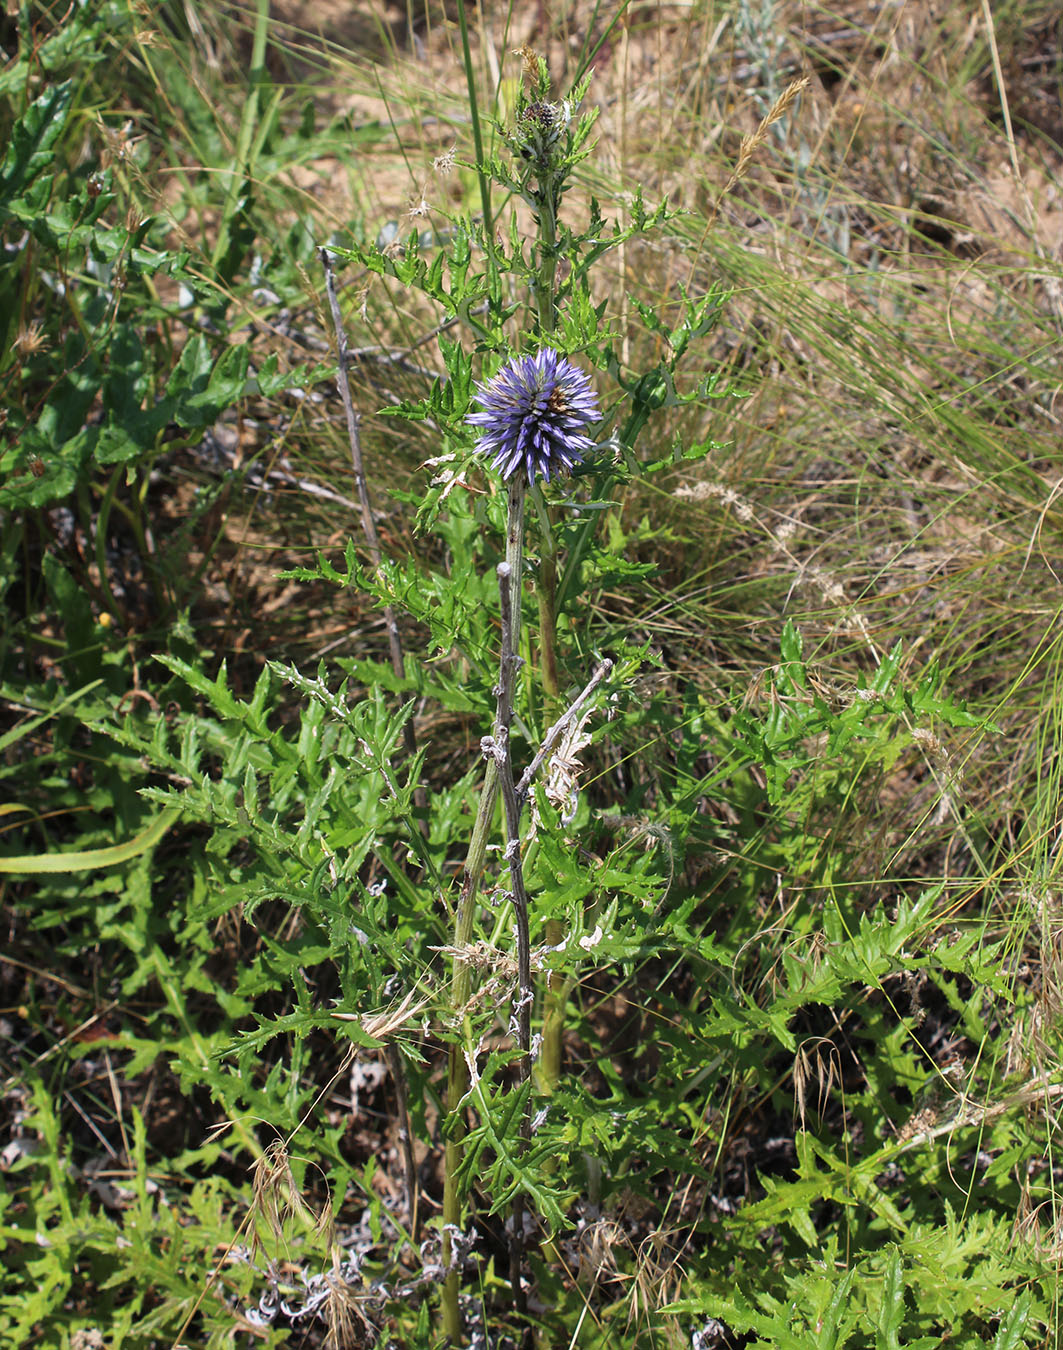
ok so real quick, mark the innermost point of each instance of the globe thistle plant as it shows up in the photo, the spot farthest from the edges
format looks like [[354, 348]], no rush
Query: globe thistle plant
[[533, 416], [539, 127]]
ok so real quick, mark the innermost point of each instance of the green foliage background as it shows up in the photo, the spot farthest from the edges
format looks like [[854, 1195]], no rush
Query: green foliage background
[[807, 898]]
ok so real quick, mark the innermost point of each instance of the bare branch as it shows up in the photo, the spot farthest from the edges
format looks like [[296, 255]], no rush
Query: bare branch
[[372, 540]]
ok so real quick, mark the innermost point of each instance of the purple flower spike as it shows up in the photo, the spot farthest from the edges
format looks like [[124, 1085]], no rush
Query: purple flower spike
[[533, 414]]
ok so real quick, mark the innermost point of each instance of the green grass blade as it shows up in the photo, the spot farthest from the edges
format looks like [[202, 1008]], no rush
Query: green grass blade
[[89, 860]]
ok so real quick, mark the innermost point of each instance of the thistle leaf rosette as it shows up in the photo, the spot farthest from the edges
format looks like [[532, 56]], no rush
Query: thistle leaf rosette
[[533, 416]]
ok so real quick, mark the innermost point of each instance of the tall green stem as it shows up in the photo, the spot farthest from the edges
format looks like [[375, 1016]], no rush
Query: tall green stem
[[546, 274], [461, 981], [248, 123], [478, 148], [546, 309], [546, 594], [546, 591]]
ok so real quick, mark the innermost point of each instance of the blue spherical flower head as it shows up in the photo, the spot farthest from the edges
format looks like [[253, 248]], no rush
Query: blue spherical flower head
[[533, 414]]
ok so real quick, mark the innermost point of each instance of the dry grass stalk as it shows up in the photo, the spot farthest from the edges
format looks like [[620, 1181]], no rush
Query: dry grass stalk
[[275, 1197], [752, 143], [380, 1025]]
